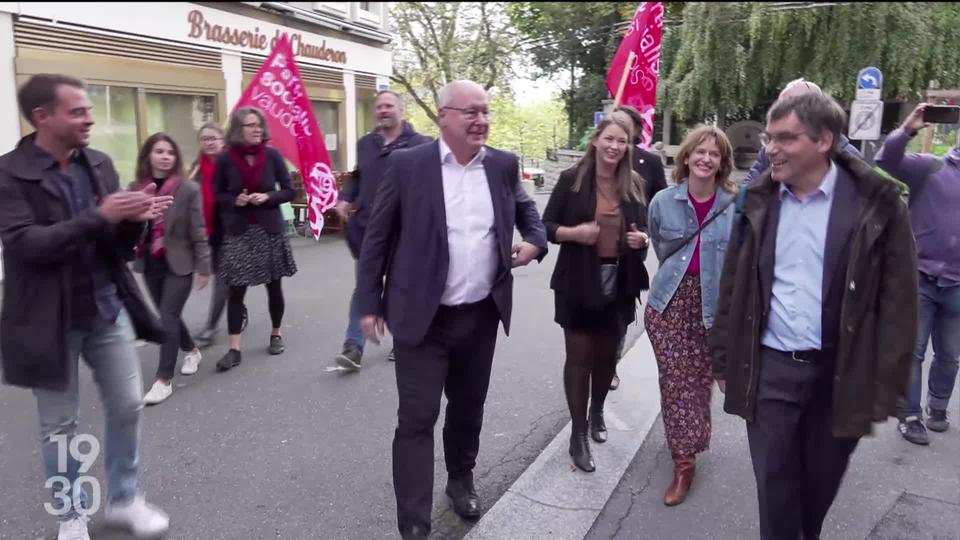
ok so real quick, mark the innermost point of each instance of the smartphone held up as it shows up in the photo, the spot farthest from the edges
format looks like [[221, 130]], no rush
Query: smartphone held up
[[941, 114]]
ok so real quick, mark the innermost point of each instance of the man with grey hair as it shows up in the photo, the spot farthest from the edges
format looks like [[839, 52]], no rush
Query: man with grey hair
[[796, 87], [356, 200], [435, 265], [817, 313]]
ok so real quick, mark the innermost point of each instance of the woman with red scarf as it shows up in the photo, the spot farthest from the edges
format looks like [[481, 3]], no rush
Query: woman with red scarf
[[255, 249], [173, 248], [210, 137]]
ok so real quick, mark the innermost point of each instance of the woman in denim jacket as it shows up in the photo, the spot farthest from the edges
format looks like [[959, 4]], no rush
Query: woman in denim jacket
[[683, 295]]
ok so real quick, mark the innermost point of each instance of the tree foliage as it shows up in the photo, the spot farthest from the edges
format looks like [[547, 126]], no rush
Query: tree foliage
[[572, 40], [526, 130], [764, 48], [440, 42], [732, 57]]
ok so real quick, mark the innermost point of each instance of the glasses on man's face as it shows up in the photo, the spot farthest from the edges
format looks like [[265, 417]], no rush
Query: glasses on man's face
[[471, 113], [210, 139], [780, 139]]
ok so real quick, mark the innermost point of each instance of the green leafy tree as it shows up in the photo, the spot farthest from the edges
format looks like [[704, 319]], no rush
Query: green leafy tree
[[732, 57], [571, 40], [440, 42], [526, 130]]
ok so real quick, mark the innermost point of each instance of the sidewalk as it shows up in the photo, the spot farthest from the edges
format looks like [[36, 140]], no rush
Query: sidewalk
[[893, 489]]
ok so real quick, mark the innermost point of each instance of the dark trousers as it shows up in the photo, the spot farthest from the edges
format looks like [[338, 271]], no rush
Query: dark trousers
[[798, 463], [275, 304], [170, 293], [454, 358], [221, 291]]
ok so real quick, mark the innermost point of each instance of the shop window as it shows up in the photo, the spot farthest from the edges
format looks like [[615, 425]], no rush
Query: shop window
[[366, 115], [328, 116], [115, 131], [180, 116]]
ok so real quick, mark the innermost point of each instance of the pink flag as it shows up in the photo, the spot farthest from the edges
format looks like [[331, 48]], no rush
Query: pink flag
[[277, 91], [640, 87]]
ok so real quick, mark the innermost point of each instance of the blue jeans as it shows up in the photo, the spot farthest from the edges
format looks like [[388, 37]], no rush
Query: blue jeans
[[354, 338], [110, 353], [939, 317]]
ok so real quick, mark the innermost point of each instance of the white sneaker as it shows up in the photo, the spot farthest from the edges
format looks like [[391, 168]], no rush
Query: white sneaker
[[191, 362], [74, 529], [159, 392], [141, 519]]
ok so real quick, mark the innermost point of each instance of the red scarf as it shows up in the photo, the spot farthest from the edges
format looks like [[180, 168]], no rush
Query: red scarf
[[251, 175], [157, 248], [208, 168]]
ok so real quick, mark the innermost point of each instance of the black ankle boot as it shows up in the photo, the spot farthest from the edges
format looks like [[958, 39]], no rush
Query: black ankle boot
[[598, 429], [580, 451]]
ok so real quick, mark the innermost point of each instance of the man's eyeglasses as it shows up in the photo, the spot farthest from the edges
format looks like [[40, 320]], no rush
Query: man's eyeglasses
[[780, 139], [471, 113], [210, 139]]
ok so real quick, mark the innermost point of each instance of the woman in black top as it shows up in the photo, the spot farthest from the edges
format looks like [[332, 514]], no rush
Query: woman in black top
[[255, 248], [597, 213]]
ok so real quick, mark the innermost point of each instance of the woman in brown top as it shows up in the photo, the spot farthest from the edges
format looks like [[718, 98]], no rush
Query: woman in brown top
[[598, 215]]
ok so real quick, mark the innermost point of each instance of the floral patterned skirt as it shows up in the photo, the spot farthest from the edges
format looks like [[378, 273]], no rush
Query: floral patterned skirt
[[679, 342]]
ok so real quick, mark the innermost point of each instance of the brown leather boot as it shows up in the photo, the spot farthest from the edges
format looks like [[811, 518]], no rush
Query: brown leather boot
[[683, 470]]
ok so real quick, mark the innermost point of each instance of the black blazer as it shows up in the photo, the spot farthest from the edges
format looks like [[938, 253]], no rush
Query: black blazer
[[650, 168], [577, 272], [227, 184], [406, 239]]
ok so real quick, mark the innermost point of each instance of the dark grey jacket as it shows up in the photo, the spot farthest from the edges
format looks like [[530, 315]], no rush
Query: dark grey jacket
[[40, 246], [185, 233]]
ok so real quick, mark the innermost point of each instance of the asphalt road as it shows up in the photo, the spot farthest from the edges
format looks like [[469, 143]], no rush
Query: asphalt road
[[282, 448]]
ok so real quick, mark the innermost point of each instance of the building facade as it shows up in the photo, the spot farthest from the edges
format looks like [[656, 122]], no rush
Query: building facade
[[157, 66]]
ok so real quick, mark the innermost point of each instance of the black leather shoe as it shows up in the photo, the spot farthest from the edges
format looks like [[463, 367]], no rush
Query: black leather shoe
[[598, 429], [464, 496], [580, 452], [230, 360], [415, 533]]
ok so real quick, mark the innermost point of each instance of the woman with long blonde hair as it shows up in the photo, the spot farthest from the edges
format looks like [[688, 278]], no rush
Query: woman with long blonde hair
[[598, 215]]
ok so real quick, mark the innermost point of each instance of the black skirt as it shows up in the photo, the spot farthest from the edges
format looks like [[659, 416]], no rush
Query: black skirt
[[255, 257], [613, 319]]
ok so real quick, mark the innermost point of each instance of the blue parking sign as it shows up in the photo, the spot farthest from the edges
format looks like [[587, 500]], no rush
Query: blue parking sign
[[597, 118]]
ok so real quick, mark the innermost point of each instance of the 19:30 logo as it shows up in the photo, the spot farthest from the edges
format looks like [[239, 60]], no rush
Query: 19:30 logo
[[86, 456]]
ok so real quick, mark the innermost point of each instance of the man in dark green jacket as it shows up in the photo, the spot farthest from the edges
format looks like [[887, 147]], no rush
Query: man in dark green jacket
[[817, 313]]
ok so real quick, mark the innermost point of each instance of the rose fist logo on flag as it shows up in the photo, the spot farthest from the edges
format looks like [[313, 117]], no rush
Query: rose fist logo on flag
[[277, 91], [322, 193]]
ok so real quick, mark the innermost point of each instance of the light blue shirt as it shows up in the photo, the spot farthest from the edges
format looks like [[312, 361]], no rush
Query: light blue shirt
[[796, 305]]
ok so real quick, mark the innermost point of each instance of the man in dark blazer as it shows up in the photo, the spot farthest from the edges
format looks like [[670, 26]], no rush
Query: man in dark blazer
[[441, 235]]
